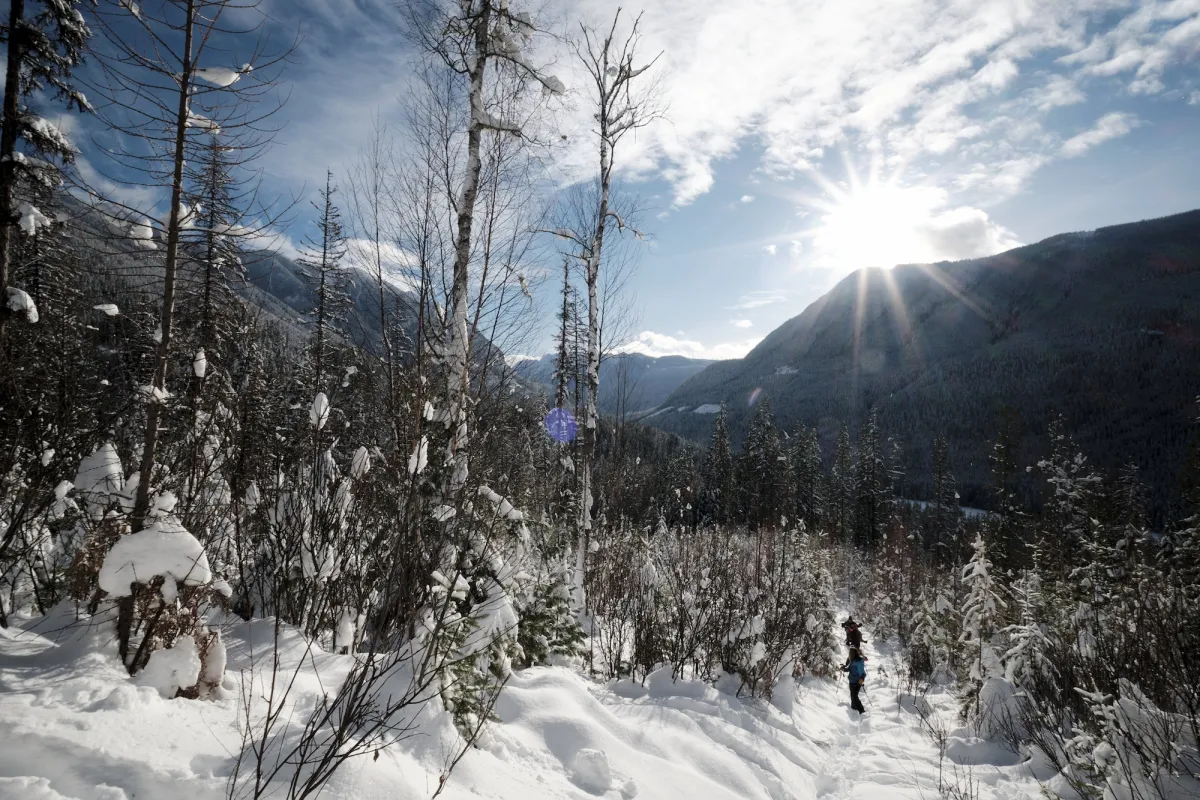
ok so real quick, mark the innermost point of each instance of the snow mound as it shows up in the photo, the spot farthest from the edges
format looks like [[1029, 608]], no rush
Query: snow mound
[[707, 408], [590, 771], [164, 548], [173, 668], [98, 478], [661, 684]]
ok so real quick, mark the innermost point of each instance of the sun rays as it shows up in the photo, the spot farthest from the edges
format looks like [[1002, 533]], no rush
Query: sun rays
[[870, 225]]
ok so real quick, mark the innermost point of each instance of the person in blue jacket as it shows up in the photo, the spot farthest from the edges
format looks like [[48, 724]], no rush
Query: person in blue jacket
[[857, 667]]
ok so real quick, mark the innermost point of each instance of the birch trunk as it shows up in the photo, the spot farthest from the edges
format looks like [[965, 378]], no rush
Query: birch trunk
[[457, 344]]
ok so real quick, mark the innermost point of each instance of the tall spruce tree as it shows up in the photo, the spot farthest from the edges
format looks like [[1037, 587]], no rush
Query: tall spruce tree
[[765, 473], [806, 470], [321, 261], [1070, 507], [841, 487], [43, 48], [872, 485], [943, 513], [1007, 550], [717, 472]]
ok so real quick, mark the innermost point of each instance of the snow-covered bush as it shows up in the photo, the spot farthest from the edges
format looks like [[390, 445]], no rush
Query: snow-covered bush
[[160, 578], [725, 602]]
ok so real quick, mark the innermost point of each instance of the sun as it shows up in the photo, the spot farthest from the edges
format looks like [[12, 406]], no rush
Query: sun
[[873, 221], [873, 226]]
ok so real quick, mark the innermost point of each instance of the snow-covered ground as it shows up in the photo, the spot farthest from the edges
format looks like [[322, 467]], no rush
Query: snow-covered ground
[[73, 725]]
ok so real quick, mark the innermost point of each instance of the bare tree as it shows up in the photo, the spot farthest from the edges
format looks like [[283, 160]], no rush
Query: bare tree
[[373, 207], [469, 38], [623, 103]]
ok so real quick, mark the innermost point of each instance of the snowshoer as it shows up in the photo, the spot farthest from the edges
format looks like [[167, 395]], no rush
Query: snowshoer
[[857, 668], [854, 635]]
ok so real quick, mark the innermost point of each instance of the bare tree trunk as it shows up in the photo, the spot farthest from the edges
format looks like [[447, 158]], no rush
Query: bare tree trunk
[[618, 110], [591, 411], [162, 356]]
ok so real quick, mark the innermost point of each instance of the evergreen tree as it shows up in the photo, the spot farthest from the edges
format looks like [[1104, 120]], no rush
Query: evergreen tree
[[717, 472], [43, 49], [212, 246], [1068, 513], [872, 484], [322, 264], [1007, 549], [1027, 662], [806, 469], [765, 474], [944, 514], [980, 615], [565, 362], [841, 487]]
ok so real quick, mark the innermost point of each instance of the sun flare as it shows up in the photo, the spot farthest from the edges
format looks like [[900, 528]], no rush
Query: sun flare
[[874, 226]]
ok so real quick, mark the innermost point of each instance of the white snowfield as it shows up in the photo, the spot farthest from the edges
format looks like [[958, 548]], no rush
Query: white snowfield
[[72, 725]]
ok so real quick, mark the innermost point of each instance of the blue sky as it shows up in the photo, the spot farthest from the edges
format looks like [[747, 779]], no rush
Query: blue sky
[[804, 140]]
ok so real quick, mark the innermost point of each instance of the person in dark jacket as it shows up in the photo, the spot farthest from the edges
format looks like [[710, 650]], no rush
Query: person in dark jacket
[[853, 635], [857, 667]]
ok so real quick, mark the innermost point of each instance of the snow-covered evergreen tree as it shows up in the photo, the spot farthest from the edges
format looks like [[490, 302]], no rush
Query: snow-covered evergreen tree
[[841, 488], [1027, 662], [943, 505], [809, 478], [873, 486], [980, 617], [43, 49], [764, 472], [717, 472]]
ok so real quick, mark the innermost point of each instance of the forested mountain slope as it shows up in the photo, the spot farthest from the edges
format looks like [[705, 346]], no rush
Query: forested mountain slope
[[628, 381], [1102, 327]]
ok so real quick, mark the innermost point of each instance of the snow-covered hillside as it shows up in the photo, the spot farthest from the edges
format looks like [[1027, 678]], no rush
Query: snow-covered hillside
[[75, 726]]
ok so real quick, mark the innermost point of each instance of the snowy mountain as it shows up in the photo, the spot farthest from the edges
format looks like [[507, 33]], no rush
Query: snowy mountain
[[276, 283], [1102, 327], [637, 382]]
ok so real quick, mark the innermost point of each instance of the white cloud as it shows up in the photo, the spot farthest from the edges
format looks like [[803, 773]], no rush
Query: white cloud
[[1194, 98], [662, 344], [741, 323], [1110, 126], [397, 263], [758, 299], [918, 78], [1058, 91], [747, 198], [770, 249], [795, 248], [1146, 42]]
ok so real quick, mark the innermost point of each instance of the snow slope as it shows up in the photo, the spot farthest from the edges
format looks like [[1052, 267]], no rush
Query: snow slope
[[72, 725]]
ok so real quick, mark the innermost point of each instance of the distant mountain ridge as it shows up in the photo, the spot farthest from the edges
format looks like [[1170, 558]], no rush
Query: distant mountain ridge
[[1103, 327], [642, 382]]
